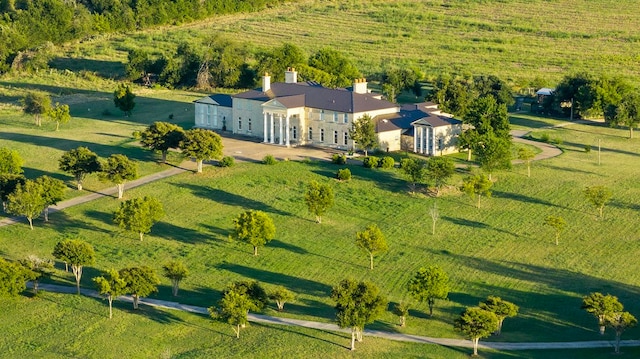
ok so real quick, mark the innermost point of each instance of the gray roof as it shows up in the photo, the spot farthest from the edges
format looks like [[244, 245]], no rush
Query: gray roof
[[410, 114], [317, 96], [216, 99]]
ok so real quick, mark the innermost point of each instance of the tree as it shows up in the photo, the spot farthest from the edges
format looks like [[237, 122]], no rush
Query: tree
[[598, 196], [429, 284], [123, 99], [601, 306], [202, 145], [493, 86], [526, 155], [487, 116], [253, 290], [501, 308], [139, 214], [477, 186], [233, 308], [26, 201], [402, 311], [13, 278], [77, 253], [253, 227], [372, 241], [452, 94], [176, 271], [627, 112], [337, 65], [282, 295], [357, 304], [468, 140], [118, 169], [319, 198], [140, 282], [557, 223], [36, 104], [581, 90], [111, 286], [435, 216], [52, 191], [414, 170], [8, 185], [39, 268], [10, 161], [440, 169], [476, 323], [620, 322], [493, 153], [363, 132], [162, 136], [79, 162], [59, 114]]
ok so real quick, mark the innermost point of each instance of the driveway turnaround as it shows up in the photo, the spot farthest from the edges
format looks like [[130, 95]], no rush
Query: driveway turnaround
[[257, 318]]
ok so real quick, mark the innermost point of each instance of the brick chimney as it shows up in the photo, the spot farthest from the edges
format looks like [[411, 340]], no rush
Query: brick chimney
[[266, 82], [291, 75], [360, 86]]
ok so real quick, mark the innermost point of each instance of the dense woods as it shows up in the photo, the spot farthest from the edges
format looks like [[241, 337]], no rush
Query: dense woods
[[29, 24]]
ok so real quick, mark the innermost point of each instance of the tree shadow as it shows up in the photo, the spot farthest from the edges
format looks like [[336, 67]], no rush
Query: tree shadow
[[522, 198], [285, 328], [567, 169], [102, 68], [624, 205], [287, 247], [170, 231], [475, 224], [297, 284], [383, 179], [527, 122]]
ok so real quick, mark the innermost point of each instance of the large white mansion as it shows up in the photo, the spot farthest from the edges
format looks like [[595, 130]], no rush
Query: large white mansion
[[294, 113]]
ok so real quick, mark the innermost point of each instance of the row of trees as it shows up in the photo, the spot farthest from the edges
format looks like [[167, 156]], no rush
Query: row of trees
[[27, 26]]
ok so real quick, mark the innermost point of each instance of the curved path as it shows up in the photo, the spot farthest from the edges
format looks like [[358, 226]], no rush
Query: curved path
[[258, 318]]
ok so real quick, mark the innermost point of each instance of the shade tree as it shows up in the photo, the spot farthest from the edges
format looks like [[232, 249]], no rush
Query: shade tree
[[627, 112], [36, 104], [619, 322], [76, 253], [476, 323], [140, 282], [124, 98], [39, 267], [162, 136], [176, 271], [357, 304], [79, 162], [557, 223], [402, 311], [526, 155], [253, 227], [233, 308], [201, 144], [8, 184], [319, 198], [371, 241], [493, 153], [27, 201], [118, 169], [440, 169], [138, 215], [501, 308], [414, 170], [253, 290], [477, 186], [281, 296], [10, 161], [52, 191], [428, 285], [111, 286], [13, 278], [59, 114], [363, 133], [601, 306]]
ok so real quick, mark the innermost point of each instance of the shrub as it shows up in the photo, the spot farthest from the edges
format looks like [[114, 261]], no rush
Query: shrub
[[387, 162], [556, 141], [226, 161], [370, 162], [269, 160], [344, 174], [587, 148], [404, 162], [339, 159], [545, 137]]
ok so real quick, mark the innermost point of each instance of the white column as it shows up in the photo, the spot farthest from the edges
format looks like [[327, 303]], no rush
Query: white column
[[287, 131], [280, 129], [264, 114], [434, 151], [271, 126], [415, 139], [421, 139]]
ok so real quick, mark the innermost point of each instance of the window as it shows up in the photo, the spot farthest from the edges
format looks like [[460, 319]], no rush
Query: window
[[346, 118], [310, 134], [440, 144], [321, 115], [335, 116], [346, 138], [322, 135], [249, 124], [335, 137], [239, 123], [295, 132]]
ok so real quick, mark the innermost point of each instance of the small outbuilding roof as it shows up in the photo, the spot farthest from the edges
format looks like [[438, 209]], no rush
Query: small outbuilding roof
[[545, 91]]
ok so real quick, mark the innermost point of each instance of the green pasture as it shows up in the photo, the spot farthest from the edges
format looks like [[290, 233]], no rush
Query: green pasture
[[522, 41]]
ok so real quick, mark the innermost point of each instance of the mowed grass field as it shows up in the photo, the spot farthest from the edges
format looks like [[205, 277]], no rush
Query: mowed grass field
[[518, 40]]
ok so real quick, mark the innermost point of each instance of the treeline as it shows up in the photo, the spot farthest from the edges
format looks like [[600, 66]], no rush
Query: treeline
[[28, 24]]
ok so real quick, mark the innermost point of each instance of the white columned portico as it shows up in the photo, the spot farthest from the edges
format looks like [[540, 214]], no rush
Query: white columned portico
[[265, 126], [280, 129], [287, 131], [271, 126]]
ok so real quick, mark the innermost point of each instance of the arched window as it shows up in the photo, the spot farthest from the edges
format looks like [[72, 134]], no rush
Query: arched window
[[335, 137], [346, 138], [322, 135]]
